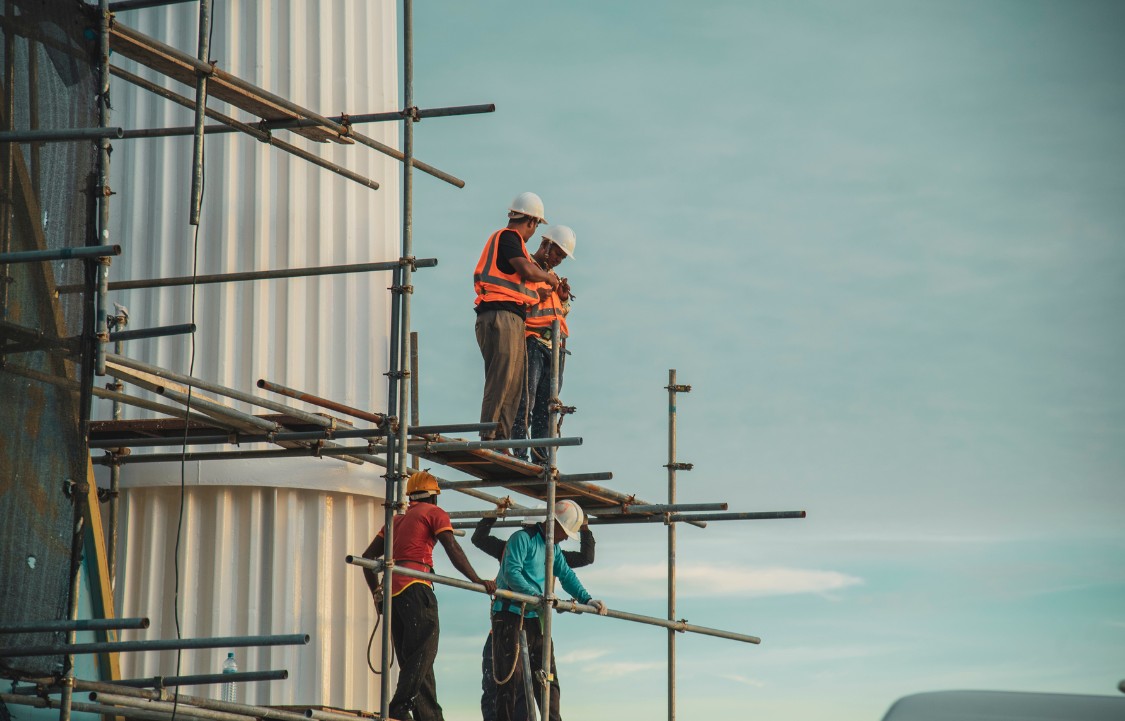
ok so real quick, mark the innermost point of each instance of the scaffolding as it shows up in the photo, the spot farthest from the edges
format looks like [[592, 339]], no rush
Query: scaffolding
[[392, 438]]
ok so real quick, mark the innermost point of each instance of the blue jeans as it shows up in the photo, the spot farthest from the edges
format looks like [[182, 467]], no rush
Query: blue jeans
[[539, 390]]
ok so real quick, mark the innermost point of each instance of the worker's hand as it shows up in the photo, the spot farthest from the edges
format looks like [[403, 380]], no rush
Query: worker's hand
[[553, 280], [564, 289], [599, 606], [489, 585]]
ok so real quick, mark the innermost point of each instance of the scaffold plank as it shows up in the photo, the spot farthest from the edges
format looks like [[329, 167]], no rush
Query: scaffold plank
[[221, 85]]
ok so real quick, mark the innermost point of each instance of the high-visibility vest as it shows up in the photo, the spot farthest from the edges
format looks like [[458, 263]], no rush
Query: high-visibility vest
[[492, 285], [540, 316]]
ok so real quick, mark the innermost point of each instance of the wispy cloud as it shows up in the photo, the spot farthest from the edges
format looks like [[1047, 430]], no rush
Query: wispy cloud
[[582, 655], [744, 680], [722, 580], [617, 669], [587, 659]]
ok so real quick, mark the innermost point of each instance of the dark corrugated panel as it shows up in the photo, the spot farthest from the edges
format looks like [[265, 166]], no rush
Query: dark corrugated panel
[[46, 82]]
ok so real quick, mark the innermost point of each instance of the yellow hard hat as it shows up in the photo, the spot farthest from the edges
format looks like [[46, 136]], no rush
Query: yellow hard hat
[[422, 485]]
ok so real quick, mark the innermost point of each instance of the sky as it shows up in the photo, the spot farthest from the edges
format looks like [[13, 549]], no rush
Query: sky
[[884, 242]]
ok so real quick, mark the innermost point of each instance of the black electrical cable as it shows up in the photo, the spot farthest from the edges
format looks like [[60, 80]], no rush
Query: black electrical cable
[[187, 409]]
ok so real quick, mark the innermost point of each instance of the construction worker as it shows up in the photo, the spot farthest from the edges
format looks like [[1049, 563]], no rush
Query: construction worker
[[502, 281], [414, 610], [557, 244], [523, 569], [493, 546]]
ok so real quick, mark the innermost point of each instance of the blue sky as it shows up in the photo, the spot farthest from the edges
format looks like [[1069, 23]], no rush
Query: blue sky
[[885, 244]]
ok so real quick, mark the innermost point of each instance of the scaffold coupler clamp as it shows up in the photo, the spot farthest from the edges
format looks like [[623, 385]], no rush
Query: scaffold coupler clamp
[[679, 466], [678, 388], [411, 113], [410, 260]]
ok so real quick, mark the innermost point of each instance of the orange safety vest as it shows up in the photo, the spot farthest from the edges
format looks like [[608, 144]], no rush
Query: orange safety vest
[[492, 285], [540, 316]]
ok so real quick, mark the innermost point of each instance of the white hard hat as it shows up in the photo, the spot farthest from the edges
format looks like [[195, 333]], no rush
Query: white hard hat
[[570, 516], [563, 237], [528, 204]]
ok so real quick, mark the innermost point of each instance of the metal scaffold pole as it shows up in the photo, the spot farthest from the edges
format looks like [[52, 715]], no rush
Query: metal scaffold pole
[[549, 526], [398, 388], [672, 466]]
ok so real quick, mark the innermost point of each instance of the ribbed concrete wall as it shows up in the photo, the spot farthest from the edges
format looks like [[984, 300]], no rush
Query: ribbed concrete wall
[[263, 543]]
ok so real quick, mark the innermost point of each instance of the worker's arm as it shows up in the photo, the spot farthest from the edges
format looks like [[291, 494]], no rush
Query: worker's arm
[[461, 563], [569, 580], [374, 550], [485, 541], [585, 555], [514, 564], [528, 270]]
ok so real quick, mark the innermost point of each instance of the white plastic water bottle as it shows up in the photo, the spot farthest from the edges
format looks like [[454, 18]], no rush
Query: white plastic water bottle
[[229, 666]]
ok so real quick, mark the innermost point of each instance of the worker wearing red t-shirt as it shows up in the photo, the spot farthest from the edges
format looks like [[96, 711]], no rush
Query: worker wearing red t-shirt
[[414, 610]]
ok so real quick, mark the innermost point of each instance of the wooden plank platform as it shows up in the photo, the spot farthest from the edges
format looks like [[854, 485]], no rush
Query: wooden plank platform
[[181, 66], [481, 464], [489, 465]]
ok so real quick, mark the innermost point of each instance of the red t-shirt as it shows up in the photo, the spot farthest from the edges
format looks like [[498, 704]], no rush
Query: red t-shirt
[[414, 538]]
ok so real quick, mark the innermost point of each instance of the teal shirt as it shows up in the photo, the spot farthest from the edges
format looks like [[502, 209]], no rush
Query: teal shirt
[[523, 570]]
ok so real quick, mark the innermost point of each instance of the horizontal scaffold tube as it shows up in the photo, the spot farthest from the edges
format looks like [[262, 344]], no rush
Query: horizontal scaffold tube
[[524, 481], [232, 393], [240, 438], [204, 679], [356, 451], [606, 511], [174, 411], [292, 639], [572, 606], [261, 712], [250, 275], [692, 518], [85, 252], [226, 78], [87, 624], [232, 125], [157, 332], [62, 135], [377, 418], [93, 708], [392, 116], [448, 446], [188, 710]]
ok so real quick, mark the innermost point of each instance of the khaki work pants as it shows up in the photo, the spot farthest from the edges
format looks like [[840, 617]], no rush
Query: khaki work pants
[[500, 337]]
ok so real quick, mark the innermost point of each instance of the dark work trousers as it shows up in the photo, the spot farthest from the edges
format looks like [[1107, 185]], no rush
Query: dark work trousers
[[510, 705], [500, 337], [487, 682], [414, 629], [539, 391]]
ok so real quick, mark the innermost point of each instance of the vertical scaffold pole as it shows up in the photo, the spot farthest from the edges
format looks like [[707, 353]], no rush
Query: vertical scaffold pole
[[549, 527], [7, 150], [416, 461], [397, 387], [672, 466], [101, 265], [204, 55]]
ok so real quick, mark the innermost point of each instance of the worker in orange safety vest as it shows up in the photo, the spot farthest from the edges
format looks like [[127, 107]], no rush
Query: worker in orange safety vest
[[534, 411], [504, 281]]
